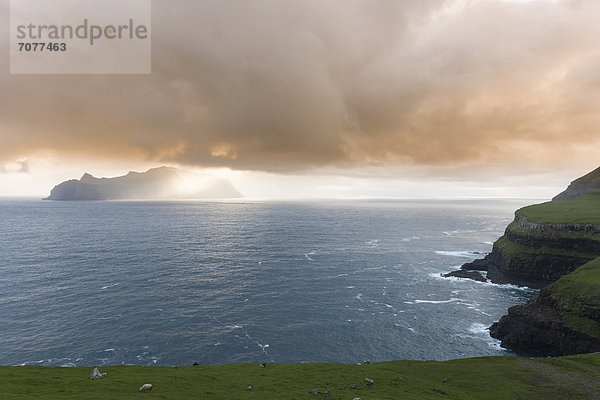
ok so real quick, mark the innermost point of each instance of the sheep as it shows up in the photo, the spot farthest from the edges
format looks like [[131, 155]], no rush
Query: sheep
[[146, 388]]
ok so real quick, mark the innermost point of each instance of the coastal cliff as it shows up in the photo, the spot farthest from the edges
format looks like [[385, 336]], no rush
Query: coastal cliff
[[579, 186], [563, 318], [537, 254], [545, 242], [555, 247]]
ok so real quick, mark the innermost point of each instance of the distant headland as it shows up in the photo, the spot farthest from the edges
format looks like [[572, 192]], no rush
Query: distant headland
[[155, 184]]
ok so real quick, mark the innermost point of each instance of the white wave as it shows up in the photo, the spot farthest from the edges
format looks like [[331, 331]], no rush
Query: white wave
[[234, 326], [478, 329], [490, 243], [483, 332], [452, 300], [118, 316], [511, 286], [411, 238], [350, 287], [263, 347], [406, 327], [460, 253], [388, 306], [496, 345], [372, 243], [451, 233], [527, 289], [109, 286], [359, 296], [439, 275]]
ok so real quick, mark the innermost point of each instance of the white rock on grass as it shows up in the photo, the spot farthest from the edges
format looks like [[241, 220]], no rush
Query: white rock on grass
[[96, 374]]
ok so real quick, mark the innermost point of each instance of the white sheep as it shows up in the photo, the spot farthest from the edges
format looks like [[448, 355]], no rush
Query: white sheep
[[146, 388]]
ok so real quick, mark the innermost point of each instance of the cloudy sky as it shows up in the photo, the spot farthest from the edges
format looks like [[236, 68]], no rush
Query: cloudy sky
[[309, 98]]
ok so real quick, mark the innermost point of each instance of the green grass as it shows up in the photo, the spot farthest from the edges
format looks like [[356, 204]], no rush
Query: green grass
[[581, 324], [511, 248], [577, 295], [585, 279], [584, 209], [552, 234], [574, 377]]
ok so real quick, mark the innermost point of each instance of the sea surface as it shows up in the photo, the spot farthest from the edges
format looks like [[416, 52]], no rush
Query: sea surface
[[173, 283]]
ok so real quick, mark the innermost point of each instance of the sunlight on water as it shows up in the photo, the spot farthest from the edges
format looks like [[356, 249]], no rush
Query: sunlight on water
[[171, 283]]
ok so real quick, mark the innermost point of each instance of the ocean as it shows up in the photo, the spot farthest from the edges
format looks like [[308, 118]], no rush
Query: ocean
[[173, 283]]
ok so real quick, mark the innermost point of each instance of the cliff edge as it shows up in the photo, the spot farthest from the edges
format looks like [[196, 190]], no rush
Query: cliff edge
[[563, 318], [555, 247], [579, 186]]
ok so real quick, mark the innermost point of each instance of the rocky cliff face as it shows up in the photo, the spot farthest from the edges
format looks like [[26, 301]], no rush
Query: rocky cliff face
[[581, 186], [535, 255], [554, 246], [563, 318]]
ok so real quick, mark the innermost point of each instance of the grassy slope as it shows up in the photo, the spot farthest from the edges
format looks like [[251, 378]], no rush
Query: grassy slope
[[578, 294], [584, 209], [512, 248], [574, 377], [581, 210]]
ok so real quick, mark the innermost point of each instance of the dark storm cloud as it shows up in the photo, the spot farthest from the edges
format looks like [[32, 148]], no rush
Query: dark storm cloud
[[293, 85]]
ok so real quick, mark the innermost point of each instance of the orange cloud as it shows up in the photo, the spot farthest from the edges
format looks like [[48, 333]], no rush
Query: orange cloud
[[295, 85]]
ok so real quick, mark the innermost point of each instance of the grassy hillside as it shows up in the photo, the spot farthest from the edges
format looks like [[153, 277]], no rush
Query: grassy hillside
[[537, 257], [574, 377], [584, 209], [577, 295]]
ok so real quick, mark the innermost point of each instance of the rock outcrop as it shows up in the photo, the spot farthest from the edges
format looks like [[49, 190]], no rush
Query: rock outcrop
[[585, 184], [96, 374], [474, 275], [154, 184]]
